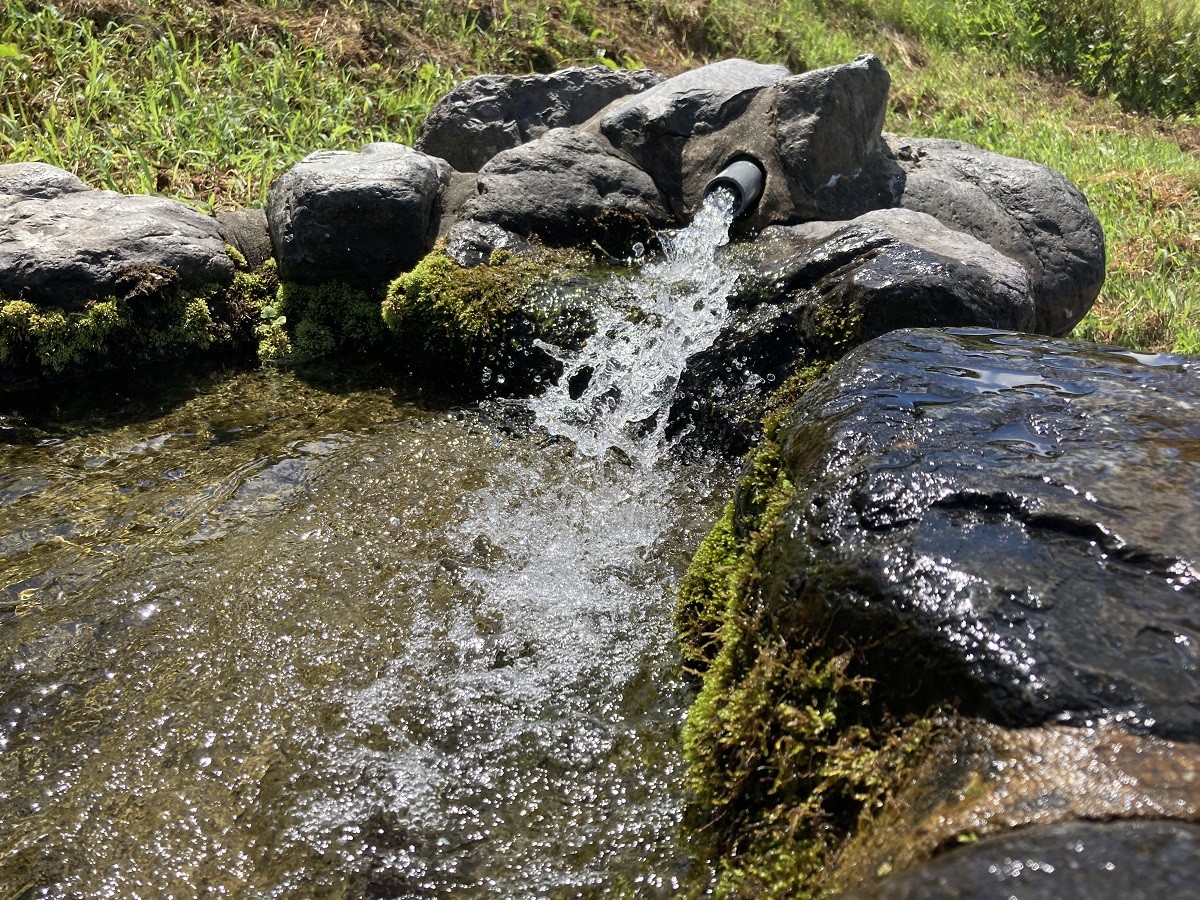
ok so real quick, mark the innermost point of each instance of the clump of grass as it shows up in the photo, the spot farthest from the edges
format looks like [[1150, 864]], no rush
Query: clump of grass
[[202, 112], [1144, 53]]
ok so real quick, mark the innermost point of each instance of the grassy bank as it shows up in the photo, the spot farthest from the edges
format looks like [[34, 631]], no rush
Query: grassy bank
[[209, 101]]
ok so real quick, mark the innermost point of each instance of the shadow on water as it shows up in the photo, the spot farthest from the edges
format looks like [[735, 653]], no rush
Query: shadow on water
[[112, 399]]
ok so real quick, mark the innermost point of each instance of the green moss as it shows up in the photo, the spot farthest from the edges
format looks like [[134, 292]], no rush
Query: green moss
[[307, 322], [784, 398], [444, 306], [834, 327], [704, 594], [148, 317], [153, 320]]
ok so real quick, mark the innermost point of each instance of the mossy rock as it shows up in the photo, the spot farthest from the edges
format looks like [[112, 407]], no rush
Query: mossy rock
[[786, 748], [304, 322], [149, 316], [462, 322]]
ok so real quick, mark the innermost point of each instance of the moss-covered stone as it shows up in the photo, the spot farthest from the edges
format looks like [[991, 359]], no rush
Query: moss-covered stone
[[306, 322], [151, 318], [446, 304], [463, 318], [148, 317], [786, 750]]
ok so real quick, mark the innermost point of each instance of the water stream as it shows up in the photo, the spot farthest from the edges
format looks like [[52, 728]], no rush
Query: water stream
[[279, 635]]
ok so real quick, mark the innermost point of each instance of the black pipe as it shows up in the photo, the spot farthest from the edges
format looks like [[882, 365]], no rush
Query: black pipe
[[744, 179]]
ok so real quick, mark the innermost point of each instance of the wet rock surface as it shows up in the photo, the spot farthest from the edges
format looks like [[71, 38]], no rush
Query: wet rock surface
[[1074, 861], [471, 243], [486, 115], [61, 246], [815, 291], [1004, 523], [359, 218], [1023, 209], [978, 780]]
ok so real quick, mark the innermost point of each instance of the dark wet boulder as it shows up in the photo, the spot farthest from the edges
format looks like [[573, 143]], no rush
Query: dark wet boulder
[[568, 188], [1021, 208], [62, 246], [1083, 860], [973, 780], [246, 231], [815, 291], [488, 114], [358, 218], [655, 128], [1003, 523], [35, 181]]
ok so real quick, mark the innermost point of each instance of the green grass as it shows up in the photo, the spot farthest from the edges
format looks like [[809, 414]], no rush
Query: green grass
[[209, 115], [208, 102]]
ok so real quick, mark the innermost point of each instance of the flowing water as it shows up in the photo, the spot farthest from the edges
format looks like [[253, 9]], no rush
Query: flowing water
[[273, 635]]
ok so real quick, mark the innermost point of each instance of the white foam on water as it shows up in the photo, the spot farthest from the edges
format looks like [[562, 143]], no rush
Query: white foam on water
[[527, 740]]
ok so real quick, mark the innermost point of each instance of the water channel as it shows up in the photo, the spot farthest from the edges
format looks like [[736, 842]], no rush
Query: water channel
[[302, 634]]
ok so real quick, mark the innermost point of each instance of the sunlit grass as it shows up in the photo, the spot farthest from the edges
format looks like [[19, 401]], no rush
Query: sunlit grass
[[211, 120]]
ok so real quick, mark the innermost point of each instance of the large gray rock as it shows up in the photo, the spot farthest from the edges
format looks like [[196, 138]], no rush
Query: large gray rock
[[1001, 523], [828, 126], [491, 113], [815, 135], [563, 187], [359, 218], [35, 181], [655, 127], [1023, 209], [817, 290], [75, 245]]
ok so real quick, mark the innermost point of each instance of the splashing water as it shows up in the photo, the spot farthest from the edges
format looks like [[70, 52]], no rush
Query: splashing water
[[547, 756], [632, 365]]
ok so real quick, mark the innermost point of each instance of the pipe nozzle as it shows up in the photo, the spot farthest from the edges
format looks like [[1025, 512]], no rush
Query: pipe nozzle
[[744, 179]]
